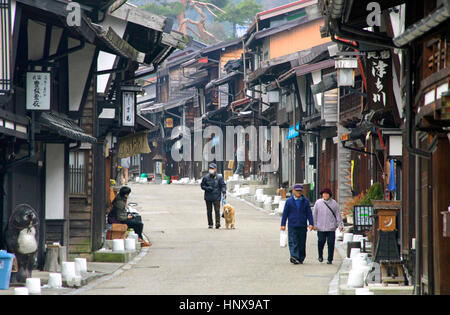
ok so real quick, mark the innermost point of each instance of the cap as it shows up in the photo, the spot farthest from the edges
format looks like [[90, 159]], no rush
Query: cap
[[298, 187], [212, 165]]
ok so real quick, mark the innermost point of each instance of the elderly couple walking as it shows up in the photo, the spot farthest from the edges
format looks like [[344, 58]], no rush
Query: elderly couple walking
[[325, 219]]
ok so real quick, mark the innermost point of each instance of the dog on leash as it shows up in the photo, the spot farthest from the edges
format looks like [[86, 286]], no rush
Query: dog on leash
[[229, 214]]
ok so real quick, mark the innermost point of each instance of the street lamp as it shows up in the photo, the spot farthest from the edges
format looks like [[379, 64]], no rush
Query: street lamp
[[346, 70]]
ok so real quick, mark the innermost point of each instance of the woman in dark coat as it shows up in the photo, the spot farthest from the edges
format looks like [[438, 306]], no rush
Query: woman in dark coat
[[119, 214]]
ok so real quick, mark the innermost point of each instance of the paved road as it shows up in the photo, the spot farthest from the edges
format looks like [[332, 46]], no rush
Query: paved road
[[187, 258]]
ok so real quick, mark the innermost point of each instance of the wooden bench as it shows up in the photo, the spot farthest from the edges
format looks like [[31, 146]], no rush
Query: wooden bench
[[117, 231]]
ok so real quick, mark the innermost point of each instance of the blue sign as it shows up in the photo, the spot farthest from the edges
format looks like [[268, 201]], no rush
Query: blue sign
[[292, 133]]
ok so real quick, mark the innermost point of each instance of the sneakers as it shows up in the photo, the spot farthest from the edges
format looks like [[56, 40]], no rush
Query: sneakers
[[320, 259], [210, 226], [329, 262], [295, 261]]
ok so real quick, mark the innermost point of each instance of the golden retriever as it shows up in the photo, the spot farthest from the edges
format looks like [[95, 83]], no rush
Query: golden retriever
[[229, 214]]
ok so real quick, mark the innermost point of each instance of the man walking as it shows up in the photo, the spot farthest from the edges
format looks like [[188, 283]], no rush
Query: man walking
[[327, 218], [297, 212], [214, 187]]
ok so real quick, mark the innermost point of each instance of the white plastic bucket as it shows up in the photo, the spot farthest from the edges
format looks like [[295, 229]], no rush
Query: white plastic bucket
[[21, 291], [55, 280], [33, 285], [68, 270], [281, 206], [80, 266], [354, 252], [355, 278], [276, 199], [118, 245], [348, 237], [130, 244], [363, 291]]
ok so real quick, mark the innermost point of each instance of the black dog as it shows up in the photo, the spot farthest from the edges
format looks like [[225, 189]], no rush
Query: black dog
[[22, 239]]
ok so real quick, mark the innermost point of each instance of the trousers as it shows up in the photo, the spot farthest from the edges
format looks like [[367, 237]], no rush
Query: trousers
[[136, 225], [209, 206], [329, 238], [297, 242]]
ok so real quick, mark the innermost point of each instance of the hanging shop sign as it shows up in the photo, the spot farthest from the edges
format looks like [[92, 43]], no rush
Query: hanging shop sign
[[169, 122], [133, 144], [379, 79], [38, 91], [292, 133], [128, 108]]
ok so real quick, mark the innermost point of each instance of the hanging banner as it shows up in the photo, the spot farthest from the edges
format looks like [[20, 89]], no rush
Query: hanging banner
[[133, 144], [128, 109], [38, 91], [379, 80]]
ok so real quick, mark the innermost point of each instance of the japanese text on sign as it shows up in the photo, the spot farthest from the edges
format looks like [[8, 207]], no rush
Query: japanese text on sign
[[38, 91]]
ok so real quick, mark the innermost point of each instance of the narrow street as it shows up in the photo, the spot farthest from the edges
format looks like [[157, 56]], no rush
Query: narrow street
[[187, 258]]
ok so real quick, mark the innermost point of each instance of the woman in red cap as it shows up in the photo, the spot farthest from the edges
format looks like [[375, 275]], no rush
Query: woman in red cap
[[327, 218]]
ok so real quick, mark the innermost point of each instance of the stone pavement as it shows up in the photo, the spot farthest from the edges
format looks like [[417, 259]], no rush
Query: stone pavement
[[187, 258]]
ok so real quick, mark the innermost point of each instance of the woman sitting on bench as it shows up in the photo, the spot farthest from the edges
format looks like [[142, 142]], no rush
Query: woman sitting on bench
[[118, 214]]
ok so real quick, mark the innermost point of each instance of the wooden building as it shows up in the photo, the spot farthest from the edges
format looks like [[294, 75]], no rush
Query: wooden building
[[52, 152], [411, 43]]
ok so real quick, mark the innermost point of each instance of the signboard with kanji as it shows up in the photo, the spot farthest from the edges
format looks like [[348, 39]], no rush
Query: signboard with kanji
[[379, 80], [128, 109], [38, 91]]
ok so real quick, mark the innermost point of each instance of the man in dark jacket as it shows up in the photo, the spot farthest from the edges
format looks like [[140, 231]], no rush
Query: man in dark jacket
[[214, 187], [297, 212]]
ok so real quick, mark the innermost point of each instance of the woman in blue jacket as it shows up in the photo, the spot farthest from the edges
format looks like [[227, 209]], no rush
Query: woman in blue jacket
[[297, 212]]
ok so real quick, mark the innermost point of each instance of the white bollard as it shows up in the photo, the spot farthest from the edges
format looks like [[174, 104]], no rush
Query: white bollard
[[118, 245], [355, 279], [34, 285], [354, 252], [348, 237], [363, 291], [68, 270], [21, 291], [80, 266], [281, 206], [55, 280], [130, 244]]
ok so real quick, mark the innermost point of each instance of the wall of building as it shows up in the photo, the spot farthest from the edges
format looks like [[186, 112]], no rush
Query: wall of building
[[299, 38]]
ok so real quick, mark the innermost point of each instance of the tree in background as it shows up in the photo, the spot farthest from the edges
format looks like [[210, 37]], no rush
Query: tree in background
[[221, 10], [177, 10], [241, 14]]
